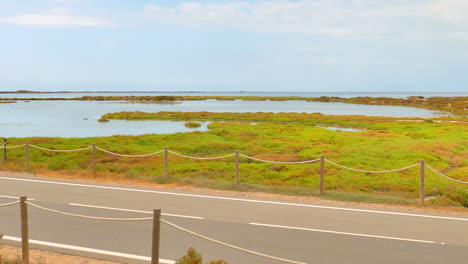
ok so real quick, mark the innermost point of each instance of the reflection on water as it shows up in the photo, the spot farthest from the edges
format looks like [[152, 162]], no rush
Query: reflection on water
[[348, 129], [79, 118]]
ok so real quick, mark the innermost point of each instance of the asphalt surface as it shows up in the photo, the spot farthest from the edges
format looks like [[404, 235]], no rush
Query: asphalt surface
[[300, 232]]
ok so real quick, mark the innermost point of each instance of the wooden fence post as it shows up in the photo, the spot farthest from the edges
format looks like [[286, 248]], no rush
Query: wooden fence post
[[94, 159], [156, 236], [24, 230], [5, 141], [422, 184], [237, 167], [27, 156], [166, 162], [322, 174]]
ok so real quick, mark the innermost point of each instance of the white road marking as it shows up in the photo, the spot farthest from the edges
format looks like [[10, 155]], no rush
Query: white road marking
[[14, 197], [345, 233], [90, 250], [134, 211], [238, 199]]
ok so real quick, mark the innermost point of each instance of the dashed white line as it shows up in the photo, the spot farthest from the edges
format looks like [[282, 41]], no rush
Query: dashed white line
[[90, 250], [345, 233], [133, 211], [239, 199]]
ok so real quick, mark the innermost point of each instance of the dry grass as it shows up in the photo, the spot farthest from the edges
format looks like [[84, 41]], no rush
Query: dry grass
[[12, 255]]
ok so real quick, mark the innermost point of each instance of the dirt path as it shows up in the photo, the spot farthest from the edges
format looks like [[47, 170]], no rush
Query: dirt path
[[42, 257]]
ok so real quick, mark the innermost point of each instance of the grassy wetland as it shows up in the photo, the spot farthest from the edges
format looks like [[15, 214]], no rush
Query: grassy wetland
[[382, 143]]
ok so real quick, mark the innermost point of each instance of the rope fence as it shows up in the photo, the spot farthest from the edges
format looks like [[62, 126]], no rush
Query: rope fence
[[155, 234], [60, 150], [237, 156], [201, 158], [280, 162], [88, 217], [443, 175], [12, 147], [231, 246], [9, 204], [128, 155], [369, 171]]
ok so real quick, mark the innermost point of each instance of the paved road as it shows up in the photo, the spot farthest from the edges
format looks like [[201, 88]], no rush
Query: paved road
[[300, 232]]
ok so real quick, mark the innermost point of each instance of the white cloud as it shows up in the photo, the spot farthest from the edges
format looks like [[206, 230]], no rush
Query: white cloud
[[56, 18], [326, 17]]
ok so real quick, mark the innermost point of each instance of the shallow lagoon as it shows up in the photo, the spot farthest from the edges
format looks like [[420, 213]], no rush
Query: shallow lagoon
[[67, 118]]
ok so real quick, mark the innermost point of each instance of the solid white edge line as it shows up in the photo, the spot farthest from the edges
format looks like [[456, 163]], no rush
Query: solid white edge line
[[133, 211], [345, 233], [90, 250], [14, 197], [238, 199]]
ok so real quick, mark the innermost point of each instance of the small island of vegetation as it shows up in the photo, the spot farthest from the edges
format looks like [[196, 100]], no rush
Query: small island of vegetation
[[192, 124]]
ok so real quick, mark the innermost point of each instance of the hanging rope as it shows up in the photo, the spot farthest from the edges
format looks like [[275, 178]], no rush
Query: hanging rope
[[229, 245], [280, 162], [445, 176], [19, 146], [200, 158], [130, 156], [89, 217], [60, 150], [8, 204], [368, 171]]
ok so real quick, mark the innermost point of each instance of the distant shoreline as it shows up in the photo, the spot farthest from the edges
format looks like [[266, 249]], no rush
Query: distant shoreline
[[245, 92], [457, 105], [61, 92]]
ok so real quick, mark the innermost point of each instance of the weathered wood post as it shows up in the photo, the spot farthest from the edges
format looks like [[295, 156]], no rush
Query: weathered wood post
[[322, 174], [422, 184], [24, 230], [166, 162], [5, 141], [94, 159], [156, 236], [237, 167], [27, 156]]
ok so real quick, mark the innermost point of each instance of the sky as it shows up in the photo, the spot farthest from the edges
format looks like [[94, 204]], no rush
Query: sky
[[237, 45]]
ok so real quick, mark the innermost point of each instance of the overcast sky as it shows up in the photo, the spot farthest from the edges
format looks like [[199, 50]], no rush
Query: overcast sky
[[221, 45]]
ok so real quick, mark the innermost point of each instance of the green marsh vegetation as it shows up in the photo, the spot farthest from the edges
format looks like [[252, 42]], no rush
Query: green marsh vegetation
[[192, 124], [385, 144]]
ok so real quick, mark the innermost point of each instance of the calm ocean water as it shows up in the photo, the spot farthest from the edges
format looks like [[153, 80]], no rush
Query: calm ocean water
[[79, 118]]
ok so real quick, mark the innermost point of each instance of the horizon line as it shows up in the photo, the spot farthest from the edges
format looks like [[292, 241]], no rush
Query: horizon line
[[241, 91]]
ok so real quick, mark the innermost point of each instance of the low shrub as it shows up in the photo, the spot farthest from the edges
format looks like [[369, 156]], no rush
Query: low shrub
[[193, 257]]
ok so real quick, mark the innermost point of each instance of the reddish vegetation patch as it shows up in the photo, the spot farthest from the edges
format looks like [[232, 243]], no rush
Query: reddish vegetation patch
[[378, 134], [442, 150], [330, 151], [279, 157]]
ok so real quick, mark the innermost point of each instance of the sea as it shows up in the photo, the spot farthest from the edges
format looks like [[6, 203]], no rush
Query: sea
[[68, 119]]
